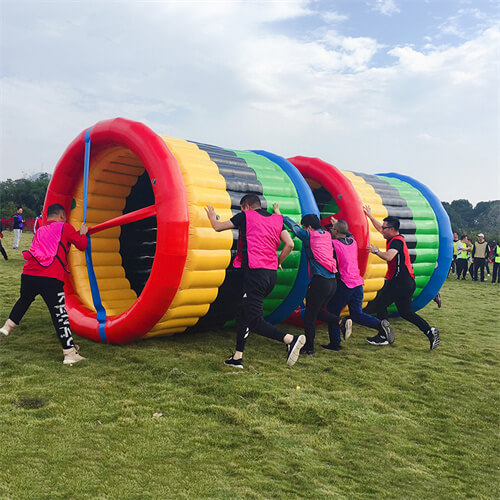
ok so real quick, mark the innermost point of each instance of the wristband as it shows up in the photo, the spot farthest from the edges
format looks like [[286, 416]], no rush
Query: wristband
[[377, 251]]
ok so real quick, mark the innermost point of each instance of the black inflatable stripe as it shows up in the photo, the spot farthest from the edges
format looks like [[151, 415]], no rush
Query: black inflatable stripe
[[138, 239], [397, 207], [240, 180]]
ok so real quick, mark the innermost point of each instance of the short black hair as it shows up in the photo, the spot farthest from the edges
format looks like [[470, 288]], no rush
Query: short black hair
[[392, 222], [311, 220], [252, 200], [341, 226], [55, 209], [463, 236], [18, 207]]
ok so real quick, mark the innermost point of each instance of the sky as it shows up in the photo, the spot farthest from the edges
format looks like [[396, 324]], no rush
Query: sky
[[407, 86]]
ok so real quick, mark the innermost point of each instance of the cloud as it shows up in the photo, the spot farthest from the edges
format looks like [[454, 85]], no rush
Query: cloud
[[231, 74], [386, 7]]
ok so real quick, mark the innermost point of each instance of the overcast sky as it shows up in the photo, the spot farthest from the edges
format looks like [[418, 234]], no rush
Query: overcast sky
[[367, 85]]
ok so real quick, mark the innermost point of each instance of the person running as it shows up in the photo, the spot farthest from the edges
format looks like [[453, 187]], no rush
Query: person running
[[400, 280], [318, 248], [260, 235], [2, 249], [18, 227], [43, 274], [350, 288], [463, 249]]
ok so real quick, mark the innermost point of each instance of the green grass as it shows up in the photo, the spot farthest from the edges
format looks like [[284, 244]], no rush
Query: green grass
[[396, 422]]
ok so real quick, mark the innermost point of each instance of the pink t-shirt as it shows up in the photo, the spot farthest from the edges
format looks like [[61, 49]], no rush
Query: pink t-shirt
[[347, 258]]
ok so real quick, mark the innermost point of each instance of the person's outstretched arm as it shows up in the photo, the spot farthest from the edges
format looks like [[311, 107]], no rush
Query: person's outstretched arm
[[285, 252], [376, 224], [291, 224], [387, 256], [217, 224]]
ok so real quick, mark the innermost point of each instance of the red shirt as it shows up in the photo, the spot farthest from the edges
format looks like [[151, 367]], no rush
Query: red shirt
[[56, 270]]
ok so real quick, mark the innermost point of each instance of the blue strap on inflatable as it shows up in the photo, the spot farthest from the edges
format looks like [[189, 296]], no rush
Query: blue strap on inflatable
[[96, 296]]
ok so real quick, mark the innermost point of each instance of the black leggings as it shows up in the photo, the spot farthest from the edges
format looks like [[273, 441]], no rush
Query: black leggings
[[319, 292], [52, 292], [2, 249], [462, 268], [400, 292], [257, 285]]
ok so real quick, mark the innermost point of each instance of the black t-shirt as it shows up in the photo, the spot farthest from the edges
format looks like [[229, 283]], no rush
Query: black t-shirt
[[240, 222], [401, 271]]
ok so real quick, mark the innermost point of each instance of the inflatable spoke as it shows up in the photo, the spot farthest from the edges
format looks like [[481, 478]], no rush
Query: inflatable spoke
[[134, 216]]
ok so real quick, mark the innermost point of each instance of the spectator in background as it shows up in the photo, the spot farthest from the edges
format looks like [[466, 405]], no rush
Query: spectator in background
[[453, 268], [495, 258], [463, 249], [2, 249], [37, 224], [18, 227], [470, 263], [479, 255]]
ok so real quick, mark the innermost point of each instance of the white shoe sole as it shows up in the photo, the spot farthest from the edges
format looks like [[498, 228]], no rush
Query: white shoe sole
[[377, 343], [72, 361], [4, 332], [389, 334], [348, 329], [295, 353]]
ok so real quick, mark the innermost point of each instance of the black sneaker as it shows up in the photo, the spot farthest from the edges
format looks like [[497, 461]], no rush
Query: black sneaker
[[437, 300], [433, 336], [331, 347], [307, 351], [377, 340], [293, 349], [235, 363], [345, 327], [388, 333]]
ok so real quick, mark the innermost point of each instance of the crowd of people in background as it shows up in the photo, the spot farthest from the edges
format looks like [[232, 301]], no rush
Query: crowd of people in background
[[474, 258]]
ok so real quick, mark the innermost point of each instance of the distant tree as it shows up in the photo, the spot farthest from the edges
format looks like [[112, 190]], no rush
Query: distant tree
[[30, 194], [483, 218]]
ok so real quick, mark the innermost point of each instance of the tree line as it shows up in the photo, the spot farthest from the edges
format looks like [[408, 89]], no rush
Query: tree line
[[464, 217], [30, 194], [469, 220]]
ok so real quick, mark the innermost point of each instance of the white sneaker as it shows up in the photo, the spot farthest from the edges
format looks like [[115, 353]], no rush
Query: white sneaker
[[7, 327], [71, 356]]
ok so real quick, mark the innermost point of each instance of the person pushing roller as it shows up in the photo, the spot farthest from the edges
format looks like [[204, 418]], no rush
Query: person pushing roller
[[400, 280]]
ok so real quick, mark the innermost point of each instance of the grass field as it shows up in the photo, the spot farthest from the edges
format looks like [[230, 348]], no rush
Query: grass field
[[396, 422]]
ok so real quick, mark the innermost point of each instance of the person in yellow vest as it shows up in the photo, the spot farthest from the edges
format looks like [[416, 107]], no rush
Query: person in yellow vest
[[479, 254], [453, 268], [463, 249], [495, 257]]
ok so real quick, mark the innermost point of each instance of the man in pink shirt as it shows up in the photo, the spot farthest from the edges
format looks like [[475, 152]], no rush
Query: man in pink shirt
[[44, 273], [350, 287], [260, 235]]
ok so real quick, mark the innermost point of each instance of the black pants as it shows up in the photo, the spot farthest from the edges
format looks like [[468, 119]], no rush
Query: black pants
[[319, 293], [400, 292], [461, 268], [4, 253], [479, 264], [496, 272], [257, 285], [453, 267], [52, 292]]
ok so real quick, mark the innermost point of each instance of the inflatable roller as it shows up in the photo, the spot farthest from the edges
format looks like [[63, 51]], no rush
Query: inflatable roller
[[424, 223], [156, 267]]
